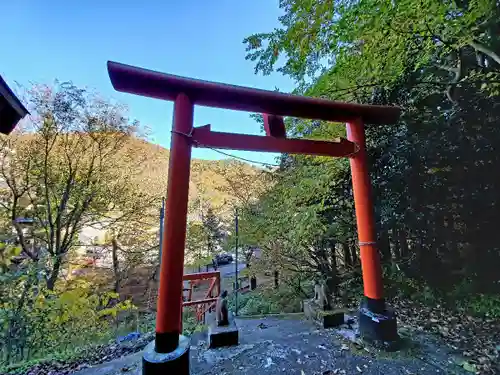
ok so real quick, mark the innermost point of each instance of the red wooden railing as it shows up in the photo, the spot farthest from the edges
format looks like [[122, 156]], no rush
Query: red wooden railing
[[211, 295]]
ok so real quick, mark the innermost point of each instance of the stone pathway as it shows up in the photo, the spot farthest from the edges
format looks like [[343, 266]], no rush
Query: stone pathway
[[287, 345]]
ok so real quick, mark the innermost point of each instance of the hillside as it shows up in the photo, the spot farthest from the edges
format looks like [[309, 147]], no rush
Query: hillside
[[209, 183], [208, 180]]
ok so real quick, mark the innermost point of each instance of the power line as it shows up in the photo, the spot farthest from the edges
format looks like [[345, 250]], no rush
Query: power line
[[226, 153], [243, 159]]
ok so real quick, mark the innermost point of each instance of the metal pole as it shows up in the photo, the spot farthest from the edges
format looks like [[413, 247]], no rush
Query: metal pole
[[162, 217], [174, 235], [236, 262], [361, 186]]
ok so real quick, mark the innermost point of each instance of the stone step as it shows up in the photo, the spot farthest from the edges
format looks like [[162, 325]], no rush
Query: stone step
[[220, 336]]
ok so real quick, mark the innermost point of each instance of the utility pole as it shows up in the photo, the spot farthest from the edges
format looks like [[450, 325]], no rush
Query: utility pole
[[162, 217], [236, 261], [208, 237]]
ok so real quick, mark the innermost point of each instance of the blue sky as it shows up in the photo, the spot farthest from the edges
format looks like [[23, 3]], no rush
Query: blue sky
[[70, 40]]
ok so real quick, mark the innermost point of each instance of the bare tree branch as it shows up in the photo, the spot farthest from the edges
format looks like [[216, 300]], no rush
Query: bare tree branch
[[487, 51]]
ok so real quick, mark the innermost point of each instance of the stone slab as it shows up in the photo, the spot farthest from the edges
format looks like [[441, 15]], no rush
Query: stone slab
[[221, 336], [326, 319]]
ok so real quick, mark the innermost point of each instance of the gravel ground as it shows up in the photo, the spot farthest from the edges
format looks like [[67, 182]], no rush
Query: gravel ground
[[291, 345]]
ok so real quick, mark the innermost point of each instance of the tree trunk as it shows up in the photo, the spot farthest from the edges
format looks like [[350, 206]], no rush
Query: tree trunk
[[116, 264], [419, 250], [396, 250], [385, 247], [54, 274], [276, 279], [253, 282], [354, 255], [403, 244], [333, 280], [347, 255], [248, 257], [449, 228]]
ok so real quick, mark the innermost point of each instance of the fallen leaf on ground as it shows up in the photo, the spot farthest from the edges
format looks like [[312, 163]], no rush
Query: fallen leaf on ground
[[469, 366]]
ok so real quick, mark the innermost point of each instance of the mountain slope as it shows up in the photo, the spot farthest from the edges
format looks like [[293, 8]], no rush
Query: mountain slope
[[209, 180]]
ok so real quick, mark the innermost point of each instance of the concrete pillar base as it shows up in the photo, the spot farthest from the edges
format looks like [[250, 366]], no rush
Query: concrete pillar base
[[176, 362], [378, 327]]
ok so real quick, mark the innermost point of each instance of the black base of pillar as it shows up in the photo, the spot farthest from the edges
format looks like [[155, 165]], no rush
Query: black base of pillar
[[175, 362], [378, 326]]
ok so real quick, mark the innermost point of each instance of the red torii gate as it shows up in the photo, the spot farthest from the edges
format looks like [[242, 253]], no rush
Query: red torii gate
[[170, 352]]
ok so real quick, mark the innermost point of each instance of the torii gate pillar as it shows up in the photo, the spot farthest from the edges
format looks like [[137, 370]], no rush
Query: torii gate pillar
[[376, 321], [169, 353]]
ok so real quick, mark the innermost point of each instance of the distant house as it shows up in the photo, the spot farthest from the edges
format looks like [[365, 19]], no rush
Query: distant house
[[92, 245], [11, 108]]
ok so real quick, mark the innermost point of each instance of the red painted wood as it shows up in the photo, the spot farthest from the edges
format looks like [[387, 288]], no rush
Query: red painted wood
[[363, 202], [139, 81], [201, 275], [274, 126], [200, 302], [172, 263], [204, 137]]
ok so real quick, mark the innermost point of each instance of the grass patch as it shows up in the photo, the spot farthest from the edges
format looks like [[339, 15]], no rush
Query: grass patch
[[267, 301]]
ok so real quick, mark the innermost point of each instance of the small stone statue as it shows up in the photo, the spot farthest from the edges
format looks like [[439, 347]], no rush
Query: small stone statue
[[221, 311], [317, 288], [320, 297]]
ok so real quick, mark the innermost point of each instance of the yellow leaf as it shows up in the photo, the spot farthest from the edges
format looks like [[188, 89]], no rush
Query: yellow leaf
[[113, 295]]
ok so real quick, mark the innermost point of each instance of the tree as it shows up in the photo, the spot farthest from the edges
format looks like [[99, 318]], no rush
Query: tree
[[214, 231], [455, 39], [244, 184], [133, 240], [65, 171], [439, 62], [196, 241]]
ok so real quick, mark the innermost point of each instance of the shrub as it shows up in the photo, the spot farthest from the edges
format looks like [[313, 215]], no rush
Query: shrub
[[399, 284], [481, 305], [36, 322], [268, 301], [190, 324]]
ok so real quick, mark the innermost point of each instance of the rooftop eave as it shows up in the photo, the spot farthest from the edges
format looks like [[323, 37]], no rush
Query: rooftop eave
[[14, 104]]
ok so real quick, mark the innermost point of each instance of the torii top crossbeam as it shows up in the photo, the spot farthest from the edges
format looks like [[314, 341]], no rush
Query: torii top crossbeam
[[139, 81]]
